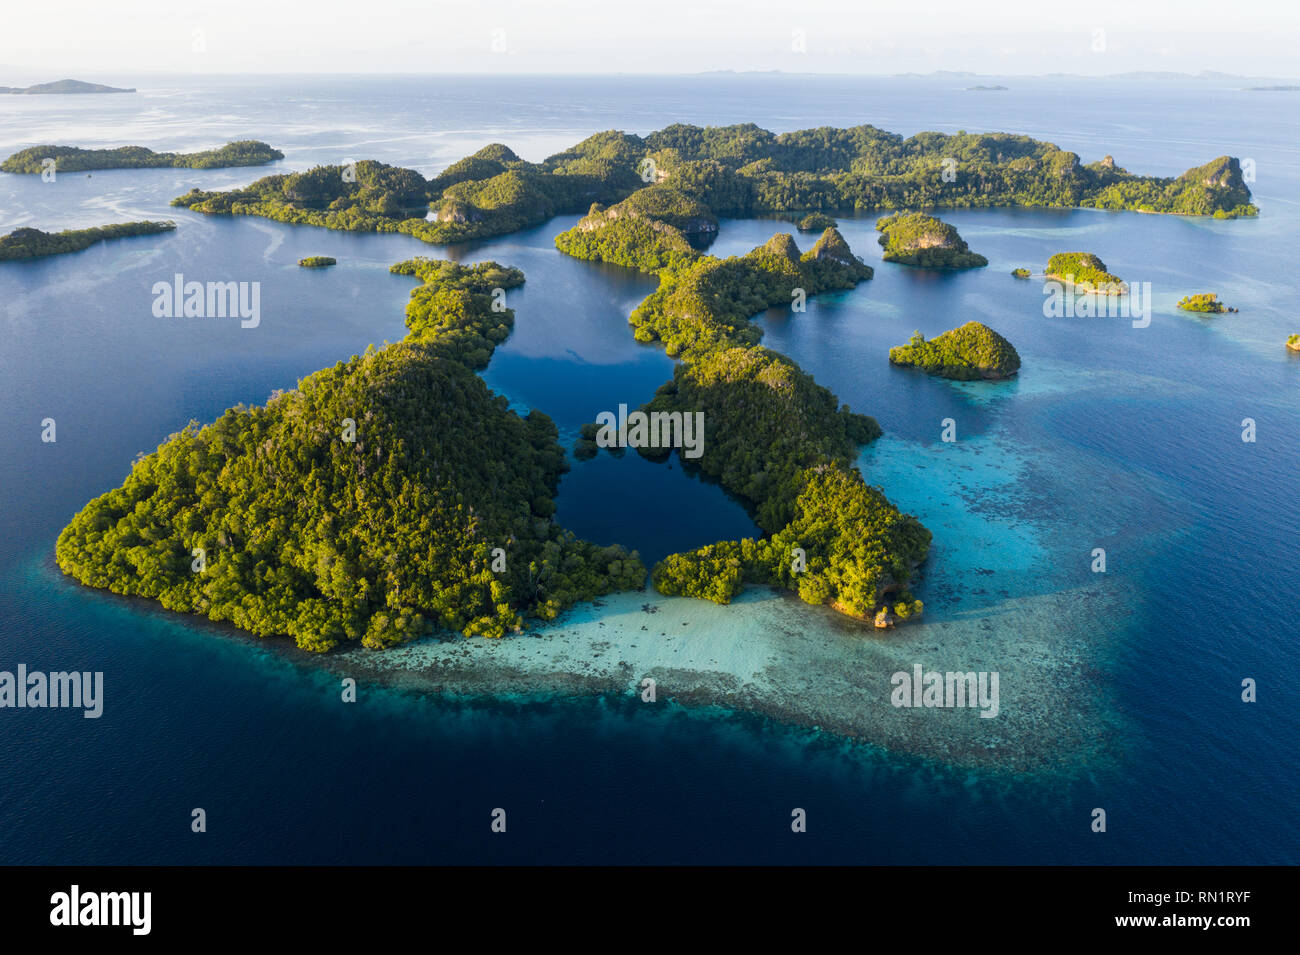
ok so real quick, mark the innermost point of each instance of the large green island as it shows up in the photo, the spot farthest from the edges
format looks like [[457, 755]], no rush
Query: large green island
[[29, 243], [740, 171], [249, 152], [382, 497]]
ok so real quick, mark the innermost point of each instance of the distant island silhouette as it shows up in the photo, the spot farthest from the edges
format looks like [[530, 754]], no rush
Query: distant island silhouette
[[66, 86]]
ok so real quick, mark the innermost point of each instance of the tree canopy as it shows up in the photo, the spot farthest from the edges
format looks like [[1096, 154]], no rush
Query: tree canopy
[[382, 497], [247, 152]]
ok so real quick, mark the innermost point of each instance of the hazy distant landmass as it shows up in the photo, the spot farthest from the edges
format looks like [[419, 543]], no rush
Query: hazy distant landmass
[[1271, 89], [66, 86], [1204, 76]]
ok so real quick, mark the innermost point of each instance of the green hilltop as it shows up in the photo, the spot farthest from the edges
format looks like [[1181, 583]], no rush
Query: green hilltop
[[376, 539], [970, 352], [917, 239]]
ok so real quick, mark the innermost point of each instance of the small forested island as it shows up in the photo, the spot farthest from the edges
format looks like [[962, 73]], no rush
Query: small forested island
[[248, 152], [382, 497], [65, 86], [1293, 342], [33, 243], [816, 222], [926, 242], [1084, 272], [973, 351], [317, 261], [1203, 302], [742, 171], [1020, 273]]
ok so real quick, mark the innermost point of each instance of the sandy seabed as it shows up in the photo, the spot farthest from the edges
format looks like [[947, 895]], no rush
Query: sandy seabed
[[770, 654]]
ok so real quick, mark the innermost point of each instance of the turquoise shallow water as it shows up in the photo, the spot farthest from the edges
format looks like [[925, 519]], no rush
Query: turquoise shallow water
[[1120, 690]]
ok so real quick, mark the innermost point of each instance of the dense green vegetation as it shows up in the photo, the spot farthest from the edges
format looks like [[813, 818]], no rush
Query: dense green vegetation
[[650, 230], [249, 152], [970, 352], [317, 261], [1204, 302], [924, 241], [745, 170], [636, 243], [490, 193], [33, 243], [664, 204], [374, 539], [1215, 189], [1020, 273], [775, 438], [368, 503], [707, 305], [731, 170], [816, 222], [1085, 271], [858, 549], [369, 197], [453, 310]]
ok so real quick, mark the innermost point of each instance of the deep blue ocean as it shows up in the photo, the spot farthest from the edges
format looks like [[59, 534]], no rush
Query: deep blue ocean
[[1124, 438]]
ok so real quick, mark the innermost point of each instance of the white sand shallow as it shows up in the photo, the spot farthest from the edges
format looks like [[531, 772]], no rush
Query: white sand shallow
[[769, 653]]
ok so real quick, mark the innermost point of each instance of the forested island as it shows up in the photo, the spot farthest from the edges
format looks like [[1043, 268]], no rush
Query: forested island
[[66, 87], [394, 493], [925, 242], [1084, 272], [1293, 342], [382, 497], [33, 243], [1020, 273], [973, 351], [1204, 302], [248, 152], [741, 171], [816, 222], [778, 440], [317, 261], [367, 504]]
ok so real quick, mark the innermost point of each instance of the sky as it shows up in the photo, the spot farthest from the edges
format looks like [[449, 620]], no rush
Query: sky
[[85, 38]]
